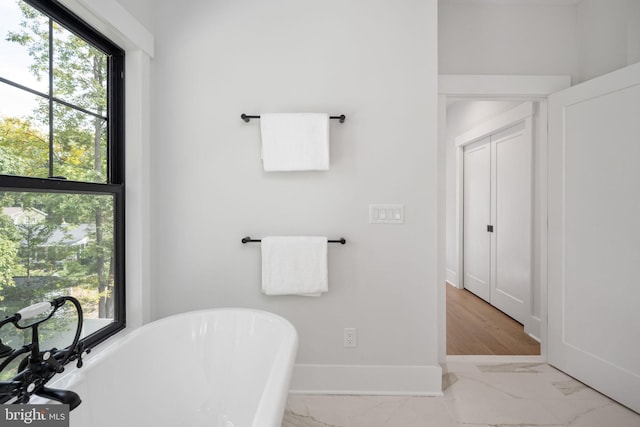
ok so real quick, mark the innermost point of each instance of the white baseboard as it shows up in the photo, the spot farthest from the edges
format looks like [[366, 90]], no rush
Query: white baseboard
[[533, 327], [367, 380], [452, 277], [452, 284]]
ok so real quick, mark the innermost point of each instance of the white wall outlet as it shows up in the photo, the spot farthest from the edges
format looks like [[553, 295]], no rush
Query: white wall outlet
[[350, 337]]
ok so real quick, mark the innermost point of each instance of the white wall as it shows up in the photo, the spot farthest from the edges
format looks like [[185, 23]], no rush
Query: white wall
[[498, 38], [142, 10], [609, 34], [374, 61], [584, 40]]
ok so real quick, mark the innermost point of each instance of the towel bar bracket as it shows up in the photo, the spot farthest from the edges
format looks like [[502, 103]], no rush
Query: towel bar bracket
[[248, 239], [248, 118]]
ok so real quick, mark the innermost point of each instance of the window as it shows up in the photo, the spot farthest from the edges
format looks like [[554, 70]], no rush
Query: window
[[61, 170]]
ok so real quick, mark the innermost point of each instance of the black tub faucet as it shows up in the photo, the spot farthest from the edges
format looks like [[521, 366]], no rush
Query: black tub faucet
[[35, 370]]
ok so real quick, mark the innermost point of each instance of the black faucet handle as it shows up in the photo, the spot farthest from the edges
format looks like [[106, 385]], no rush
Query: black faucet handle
[[51, 360], [81, 352]]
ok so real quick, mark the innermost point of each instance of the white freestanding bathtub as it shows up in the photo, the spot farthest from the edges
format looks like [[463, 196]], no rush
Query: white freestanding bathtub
[[214, 368]]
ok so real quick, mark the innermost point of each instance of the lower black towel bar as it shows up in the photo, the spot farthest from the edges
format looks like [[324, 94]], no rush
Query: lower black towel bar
[[246, 118], [248, 239]]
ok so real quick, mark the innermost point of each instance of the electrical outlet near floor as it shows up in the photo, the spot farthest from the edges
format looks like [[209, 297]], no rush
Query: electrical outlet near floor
[[350, 337]]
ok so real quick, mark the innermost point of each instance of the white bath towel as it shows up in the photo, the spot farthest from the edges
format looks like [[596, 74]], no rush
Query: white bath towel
[[295, 142], [294, 265]]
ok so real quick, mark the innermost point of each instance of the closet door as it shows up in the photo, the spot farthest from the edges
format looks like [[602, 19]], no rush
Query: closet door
[[511, 217], [477, 215]]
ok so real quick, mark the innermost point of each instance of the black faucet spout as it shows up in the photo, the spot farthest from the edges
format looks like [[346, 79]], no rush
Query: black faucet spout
[[39, 367], [63, 396]]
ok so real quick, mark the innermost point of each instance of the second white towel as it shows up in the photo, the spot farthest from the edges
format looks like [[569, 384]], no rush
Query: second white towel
[[295, 265], [295, 142]]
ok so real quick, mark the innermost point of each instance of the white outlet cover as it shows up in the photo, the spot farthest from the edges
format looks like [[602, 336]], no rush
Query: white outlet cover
[[350, 337]]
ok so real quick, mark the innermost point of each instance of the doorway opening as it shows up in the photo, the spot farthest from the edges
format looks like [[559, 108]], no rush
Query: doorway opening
[[493, 304], [495, 94]]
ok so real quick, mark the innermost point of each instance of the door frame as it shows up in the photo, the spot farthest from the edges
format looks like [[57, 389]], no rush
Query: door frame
[[496, 88]]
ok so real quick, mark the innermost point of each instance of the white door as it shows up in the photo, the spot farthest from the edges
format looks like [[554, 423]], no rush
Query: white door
[[594, 234], [477, 215], [511, 217], [497, 193]]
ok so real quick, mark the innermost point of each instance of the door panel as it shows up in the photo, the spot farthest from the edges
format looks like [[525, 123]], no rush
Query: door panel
[[477, 215], [511, 284], [594, 233]]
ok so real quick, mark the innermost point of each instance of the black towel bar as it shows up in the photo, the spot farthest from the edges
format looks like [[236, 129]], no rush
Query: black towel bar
[[247, 118], [248, 239]]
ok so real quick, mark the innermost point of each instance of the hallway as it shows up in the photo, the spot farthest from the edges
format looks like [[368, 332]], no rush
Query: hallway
[[475, 327]]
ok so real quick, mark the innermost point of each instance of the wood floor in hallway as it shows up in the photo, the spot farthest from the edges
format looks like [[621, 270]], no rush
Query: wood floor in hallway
[[475, 327]]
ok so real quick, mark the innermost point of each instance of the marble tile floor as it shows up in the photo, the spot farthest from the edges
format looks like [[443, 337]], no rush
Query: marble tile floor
[[521, 394]]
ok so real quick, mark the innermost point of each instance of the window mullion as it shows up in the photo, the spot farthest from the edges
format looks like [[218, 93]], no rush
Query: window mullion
[[51, 127]]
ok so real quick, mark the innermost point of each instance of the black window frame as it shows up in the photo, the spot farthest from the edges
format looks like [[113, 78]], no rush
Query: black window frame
[[115, 182]]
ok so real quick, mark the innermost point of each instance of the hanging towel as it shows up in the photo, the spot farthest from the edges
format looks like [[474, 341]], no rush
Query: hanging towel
[[294, 265], [295, 142]]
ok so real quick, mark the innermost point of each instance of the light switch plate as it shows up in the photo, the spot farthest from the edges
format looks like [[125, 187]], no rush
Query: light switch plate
[[386, 214]]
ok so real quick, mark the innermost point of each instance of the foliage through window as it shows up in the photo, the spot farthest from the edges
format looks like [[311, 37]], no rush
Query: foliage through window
[[61, 169]]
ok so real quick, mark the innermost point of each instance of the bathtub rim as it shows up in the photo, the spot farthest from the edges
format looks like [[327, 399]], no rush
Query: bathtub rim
[[125, 335], [271, 405]]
